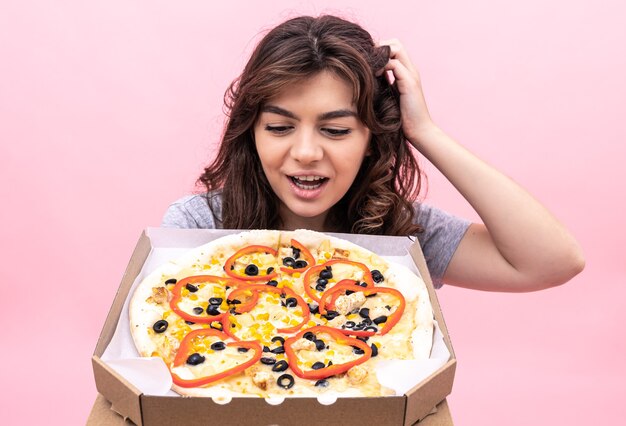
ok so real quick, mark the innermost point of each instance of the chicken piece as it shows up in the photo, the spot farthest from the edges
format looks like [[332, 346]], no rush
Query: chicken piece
[[159, 295], [303, 344], [346, 303], [356, 374], [262, 379], [379, 311], [341, 254], [337, 322]]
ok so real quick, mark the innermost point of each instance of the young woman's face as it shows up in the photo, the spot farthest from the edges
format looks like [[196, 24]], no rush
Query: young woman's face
[[311, 144]]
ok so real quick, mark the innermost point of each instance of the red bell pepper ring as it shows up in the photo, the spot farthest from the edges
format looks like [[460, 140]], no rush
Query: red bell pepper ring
[[330, 370], [305, 253], [257, 288], [185, 350], [330, 296], [311, 272], [229, 265], [243, 292], [197, 279]]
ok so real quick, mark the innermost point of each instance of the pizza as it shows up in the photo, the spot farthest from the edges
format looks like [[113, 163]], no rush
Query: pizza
[[280, 313]]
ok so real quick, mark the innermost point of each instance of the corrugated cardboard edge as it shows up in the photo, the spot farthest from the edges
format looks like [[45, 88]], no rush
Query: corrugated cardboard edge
[[439, 385], [124, 399]]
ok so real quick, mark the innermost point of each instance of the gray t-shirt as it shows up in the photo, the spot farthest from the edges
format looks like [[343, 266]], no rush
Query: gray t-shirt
[[440, 239]]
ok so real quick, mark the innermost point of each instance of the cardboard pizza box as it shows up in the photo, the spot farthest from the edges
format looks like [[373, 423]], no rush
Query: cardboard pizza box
[[143, 408]]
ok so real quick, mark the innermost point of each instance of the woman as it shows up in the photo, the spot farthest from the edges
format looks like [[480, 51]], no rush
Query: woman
[[318, 138]]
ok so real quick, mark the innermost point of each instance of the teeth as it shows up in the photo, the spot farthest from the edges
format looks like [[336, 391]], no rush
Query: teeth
[[308, 182], [308, 178]]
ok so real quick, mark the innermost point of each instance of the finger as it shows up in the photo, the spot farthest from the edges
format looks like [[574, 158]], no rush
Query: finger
[[404, 77], [397, 51]]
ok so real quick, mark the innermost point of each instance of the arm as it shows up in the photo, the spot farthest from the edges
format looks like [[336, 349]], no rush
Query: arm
[[521, 246]]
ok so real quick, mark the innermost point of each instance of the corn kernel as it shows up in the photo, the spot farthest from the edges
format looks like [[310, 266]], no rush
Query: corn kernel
[[264, 317], [193, 297], [327, 255], [296, 274]]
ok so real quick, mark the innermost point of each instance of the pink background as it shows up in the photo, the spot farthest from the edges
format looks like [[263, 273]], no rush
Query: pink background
[[109, 109]]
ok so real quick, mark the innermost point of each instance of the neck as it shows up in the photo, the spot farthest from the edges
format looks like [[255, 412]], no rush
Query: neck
[[291, 222]]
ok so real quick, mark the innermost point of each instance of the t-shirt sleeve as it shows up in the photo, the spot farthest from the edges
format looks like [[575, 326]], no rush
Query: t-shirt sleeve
[[441, 237], [191, 212]]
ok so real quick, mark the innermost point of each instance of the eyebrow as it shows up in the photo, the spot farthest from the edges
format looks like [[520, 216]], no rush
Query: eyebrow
[[340, 113]]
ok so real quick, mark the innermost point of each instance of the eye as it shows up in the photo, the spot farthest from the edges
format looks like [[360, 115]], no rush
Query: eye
[[336, 132], [278, 130]]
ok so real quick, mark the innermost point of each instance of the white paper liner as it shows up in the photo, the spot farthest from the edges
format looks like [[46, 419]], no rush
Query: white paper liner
[[151, 376]]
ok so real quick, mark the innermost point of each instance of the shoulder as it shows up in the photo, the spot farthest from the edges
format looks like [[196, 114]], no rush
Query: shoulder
[[194, 211], [442, 233]]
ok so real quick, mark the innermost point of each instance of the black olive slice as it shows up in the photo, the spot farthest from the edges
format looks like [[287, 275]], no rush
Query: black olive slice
[[195, 359], [189, 322], [269, 270], [268, 361], [322, 383], [218, 346], [320, 287], [319, 344], [171, 281], [357, 350], [296, 252], [349, 292], [291, 302], [300, 264], [285, 381], [289, 262], [212, 310], [160, 326], [371, 328], [374, 350], [326, 274], [266, 348], [252, 270], [309, 335], [349, 324], [322, 281], [381, 319], [331, 314], [215, 301], [198, 310], [278, 350], [192, 288], [377, 276], [314, 308], [281, 365], [243, 350], [273, 283], [280, 339], [318, 365]]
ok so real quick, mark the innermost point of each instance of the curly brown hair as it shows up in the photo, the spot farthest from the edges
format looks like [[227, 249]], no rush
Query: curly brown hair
[[380, 198]]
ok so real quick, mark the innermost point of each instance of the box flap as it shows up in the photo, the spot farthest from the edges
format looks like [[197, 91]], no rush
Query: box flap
[[293, 411], [123, 396], [140, 254]]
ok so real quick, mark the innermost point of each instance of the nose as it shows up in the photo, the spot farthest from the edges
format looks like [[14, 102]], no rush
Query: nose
[[306, 148]]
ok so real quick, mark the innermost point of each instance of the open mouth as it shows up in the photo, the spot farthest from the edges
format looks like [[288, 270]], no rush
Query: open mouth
[[308, 182]]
